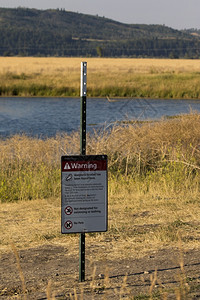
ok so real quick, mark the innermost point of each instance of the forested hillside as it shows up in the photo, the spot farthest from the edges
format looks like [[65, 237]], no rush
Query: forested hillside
[[31, 32]]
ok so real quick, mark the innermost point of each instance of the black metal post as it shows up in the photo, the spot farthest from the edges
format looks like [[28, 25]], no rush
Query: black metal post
[[82, 257], [83, 152], [83, 126]]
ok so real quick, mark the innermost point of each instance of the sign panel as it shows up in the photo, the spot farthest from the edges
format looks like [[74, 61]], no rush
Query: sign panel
[[84, 190]]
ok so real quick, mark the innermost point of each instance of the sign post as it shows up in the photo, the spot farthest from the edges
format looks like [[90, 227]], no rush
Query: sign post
[[84, 188], [83, 93]]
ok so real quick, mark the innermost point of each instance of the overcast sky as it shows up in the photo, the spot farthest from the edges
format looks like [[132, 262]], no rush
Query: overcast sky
[[178, 14]]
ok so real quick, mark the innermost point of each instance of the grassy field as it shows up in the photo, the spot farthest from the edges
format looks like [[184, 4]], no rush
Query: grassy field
[[151, 167], [154, 168], [153, 190], [155, 78], [154, 185]]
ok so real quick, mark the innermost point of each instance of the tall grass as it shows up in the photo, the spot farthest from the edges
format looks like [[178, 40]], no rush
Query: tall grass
[[155, 78], [164, 153], [30, 168]]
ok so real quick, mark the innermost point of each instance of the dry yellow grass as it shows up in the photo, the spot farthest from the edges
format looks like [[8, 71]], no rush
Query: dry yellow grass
[[153, 204], [106, 76], [51, 65], [153, 168], [137, 223]]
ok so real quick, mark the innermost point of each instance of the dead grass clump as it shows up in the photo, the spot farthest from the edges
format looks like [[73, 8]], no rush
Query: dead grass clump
[[138, 149]]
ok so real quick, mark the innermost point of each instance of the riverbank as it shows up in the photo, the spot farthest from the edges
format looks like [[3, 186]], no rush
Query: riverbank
[[151, 250], [60, 77]]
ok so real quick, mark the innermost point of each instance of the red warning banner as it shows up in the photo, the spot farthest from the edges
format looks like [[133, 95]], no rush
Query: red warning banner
[[74, 166]]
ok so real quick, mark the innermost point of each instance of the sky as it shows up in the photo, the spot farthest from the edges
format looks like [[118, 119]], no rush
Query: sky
[[178, 14]]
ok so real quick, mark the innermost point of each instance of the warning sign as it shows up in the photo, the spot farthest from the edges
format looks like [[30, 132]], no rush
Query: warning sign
[[84, 193]]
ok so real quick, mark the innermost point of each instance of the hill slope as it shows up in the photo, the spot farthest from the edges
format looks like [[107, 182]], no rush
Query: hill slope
[[61, 33]]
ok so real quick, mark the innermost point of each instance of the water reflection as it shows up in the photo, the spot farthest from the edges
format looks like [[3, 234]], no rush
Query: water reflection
[[45, 117]]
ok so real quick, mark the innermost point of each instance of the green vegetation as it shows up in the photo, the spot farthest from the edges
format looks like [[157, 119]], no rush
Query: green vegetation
[[158, 86], [162, 86], [37, 90], [31, 32]]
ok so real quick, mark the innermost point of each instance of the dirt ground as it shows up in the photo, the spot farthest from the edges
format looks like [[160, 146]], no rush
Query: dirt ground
[[53, 266]]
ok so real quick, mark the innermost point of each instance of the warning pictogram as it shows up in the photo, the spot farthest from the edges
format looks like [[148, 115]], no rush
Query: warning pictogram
[[67, 167], [69, 177], [68, 210], [68, 224]]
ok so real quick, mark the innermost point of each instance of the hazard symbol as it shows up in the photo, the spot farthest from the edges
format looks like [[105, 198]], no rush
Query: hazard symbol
[[68, 210], [68, 225], [67, 167]]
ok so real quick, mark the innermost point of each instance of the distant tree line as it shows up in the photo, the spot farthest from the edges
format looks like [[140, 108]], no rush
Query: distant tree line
[[44, 44], [30, 32]]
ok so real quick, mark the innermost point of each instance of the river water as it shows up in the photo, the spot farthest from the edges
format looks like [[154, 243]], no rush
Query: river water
[[45, 117]]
